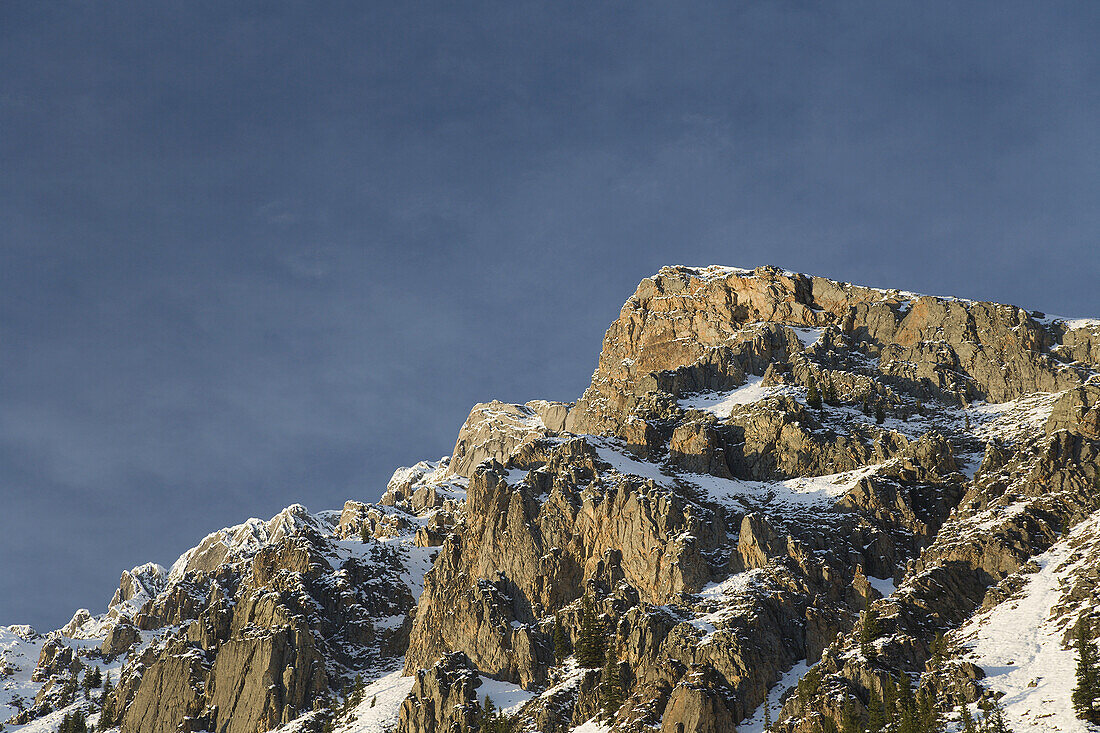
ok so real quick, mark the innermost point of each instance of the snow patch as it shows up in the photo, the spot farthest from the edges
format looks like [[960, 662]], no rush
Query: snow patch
[[593, 725], [722, 403], [507, 697], [1019, 645], [381, 704], [722, 593], [807, 336], [755, 724], [798, 492]]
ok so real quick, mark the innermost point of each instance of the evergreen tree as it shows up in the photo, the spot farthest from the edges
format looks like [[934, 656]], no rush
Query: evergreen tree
[[876, 713], [984, 715], [808, 688], [93, 678], [591, 641], [106, 690], [364, 533], [105, 721], [880, 414], [562, 647], [74, 722], [938, 649], [767, 714], [830, 394], [1086, 695], [493, 720], [68, 691], [849, 721], [611, 688], [868, 631], [995, 719], [908, 718], [865, 407], [967, 720], [890, 701], [475, 716], [813, 397], [931, 721]]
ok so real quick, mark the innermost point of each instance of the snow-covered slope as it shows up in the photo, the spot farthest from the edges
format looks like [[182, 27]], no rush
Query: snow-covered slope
[[1022, 643]]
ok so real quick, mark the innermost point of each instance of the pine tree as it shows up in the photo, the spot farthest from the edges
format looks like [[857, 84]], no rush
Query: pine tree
[[68, 691], [995, 719], [908, 718], [967, 720], [880, 414], [938, 649], [1086, 695], [868, 631], [767, 714], [876, 713], [475, 716], [890, 702], [591, 641], [357, 692], [611, 688], [92, 679], [830, 395], [106, 691], [930, 719], [364, 533], [849, 721], [106, 722], [562, 647], [493, 720], [813, 397]]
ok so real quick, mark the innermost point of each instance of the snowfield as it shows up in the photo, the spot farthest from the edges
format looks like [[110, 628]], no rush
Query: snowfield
[[380, 707], [1019, 642]]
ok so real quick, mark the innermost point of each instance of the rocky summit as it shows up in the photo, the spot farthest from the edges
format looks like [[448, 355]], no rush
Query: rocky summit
[[783, 503]]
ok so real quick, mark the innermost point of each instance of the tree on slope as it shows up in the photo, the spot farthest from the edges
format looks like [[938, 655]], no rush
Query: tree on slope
[[611, 688], [562, 647], [967, 720], [591, 641], [813, 397], [849, 721], [869, 630], [1086, 695]]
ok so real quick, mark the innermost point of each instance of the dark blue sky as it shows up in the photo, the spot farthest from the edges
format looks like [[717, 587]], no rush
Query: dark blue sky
[[253, 254]]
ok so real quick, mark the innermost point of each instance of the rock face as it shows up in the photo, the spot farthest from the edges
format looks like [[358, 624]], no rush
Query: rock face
[[709, 322], [263, 617], [696, 510], [726, 529]]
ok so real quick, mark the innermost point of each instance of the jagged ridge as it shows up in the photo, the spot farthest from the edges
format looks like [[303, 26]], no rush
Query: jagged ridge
[[728, 532]]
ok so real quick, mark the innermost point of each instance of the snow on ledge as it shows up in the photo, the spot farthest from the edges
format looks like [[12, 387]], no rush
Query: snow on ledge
[[721, 404]]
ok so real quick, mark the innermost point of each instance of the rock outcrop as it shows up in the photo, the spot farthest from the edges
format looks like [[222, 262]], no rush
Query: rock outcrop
[[763, 461]]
